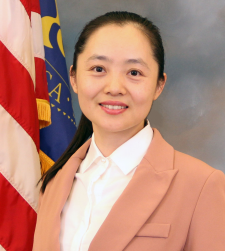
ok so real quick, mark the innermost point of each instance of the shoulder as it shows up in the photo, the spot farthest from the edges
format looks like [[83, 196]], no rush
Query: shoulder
[[187, 163], [191, 171], [196, 173], [181, 161]]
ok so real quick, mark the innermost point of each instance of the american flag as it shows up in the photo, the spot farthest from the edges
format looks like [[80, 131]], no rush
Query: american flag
[[24, 108]]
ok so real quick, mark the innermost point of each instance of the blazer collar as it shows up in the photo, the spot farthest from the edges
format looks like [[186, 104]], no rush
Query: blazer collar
[[138, 201]]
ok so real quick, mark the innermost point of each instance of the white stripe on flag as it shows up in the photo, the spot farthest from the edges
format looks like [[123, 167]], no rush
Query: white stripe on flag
[[16, 33], [2, 249], [37, 35], [19, 159]]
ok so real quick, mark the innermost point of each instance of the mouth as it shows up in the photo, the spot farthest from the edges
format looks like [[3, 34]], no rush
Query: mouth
[[114, 107]]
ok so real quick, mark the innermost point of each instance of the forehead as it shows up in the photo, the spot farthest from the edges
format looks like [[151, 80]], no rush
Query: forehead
[[126, 40]]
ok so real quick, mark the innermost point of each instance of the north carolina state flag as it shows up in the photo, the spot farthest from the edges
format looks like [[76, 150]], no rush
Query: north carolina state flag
[[24, 108]]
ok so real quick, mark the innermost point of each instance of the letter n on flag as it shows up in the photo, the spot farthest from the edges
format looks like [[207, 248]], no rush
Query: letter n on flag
[[24, 108]]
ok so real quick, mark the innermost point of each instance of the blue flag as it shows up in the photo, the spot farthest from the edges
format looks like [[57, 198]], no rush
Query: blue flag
[[56, 137]]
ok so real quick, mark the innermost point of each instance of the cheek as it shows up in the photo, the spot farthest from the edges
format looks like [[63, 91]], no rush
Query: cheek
[[143, 98], [87, 89]]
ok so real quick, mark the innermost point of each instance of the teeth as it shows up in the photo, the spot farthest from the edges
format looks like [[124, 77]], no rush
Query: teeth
[[114, 107]]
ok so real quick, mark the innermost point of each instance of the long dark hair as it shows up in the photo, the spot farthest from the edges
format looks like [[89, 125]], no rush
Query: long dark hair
[[121, 18]]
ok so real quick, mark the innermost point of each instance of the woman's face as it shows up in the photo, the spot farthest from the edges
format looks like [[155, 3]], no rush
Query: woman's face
[[116, 79]]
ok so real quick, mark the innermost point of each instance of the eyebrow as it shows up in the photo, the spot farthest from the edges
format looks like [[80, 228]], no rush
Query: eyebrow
[[137, 61], [128, 61], [98, 57]]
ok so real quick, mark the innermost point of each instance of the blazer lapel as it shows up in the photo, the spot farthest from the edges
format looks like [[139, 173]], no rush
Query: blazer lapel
[[140, 198], [55, 196]]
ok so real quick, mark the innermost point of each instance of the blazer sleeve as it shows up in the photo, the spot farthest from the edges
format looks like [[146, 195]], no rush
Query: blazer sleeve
[[207, 228]]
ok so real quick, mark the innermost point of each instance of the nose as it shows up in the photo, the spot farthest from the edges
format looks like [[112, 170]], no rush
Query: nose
[[115, 85]]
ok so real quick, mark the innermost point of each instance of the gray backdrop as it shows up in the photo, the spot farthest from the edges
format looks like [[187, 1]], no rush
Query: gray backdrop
[[190, 112]]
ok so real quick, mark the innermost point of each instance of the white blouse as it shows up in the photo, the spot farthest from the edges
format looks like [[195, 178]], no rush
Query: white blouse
[[99, 183]]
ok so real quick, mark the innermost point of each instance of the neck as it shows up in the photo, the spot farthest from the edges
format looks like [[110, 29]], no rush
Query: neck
[[108, 142]]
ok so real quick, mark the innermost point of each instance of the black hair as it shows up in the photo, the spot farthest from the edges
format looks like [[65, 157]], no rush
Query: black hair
[[121, 18]]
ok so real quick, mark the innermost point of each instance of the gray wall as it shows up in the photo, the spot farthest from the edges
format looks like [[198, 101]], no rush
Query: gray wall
[[190, 112]]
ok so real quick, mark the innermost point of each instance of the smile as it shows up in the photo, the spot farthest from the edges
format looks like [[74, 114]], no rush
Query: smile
[[114, 107]]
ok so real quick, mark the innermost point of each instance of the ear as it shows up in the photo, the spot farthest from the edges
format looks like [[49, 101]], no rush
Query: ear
[[160, 86], [73, 79]]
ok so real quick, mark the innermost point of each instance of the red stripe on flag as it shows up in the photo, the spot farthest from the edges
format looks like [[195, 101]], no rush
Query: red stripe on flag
[[17, 94], [17, 219], [35, 6], [41, 79]]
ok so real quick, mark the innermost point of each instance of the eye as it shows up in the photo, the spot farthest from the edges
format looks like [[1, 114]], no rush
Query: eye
[[135, 73], [98, 69]]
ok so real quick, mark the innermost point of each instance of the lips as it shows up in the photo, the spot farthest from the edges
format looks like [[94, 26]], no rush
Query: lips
[[113, 107]]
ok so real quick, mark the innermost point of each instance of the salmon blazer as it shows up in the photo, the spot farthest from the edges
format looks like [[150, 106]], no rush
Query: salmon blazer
[[173, 202]]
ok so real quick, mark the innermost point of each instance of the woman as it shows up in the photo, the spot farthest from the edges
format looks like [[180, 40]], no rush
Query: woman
[[126, 188]]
